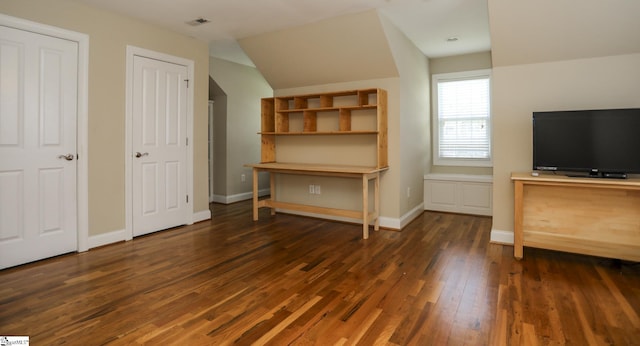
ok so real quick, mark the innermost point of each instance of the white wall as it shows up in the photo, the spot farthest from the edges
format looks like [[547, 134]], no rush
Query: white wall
[[519, 90]]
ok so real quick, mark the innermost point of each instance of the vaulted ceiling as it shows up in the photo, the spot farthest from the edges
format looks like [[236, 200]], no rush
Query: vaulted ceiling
[[428, 23], [517, 32], [341, 49]]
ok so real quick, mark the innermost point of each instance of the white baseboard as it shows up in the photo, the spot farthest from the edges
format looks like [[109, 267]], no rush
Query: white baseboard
[[107, 238], [201, 216], [239, 197], [400, 223], [121, 235], [501, 237], [411, 215], [390, 223]]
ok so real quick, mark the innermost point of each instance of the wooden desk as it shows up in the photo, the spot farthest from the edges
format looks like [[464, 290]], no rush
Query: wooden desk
[[598, 217], [364, 173]]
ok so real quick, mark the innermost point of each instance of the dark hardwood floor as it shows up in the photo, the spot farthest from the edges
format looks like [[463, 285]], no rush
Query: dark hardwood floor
[[295, 280]]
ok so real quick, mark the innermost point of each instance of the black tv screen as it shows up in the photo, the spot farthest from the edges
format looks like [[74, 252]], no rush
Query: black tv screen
[[603, 142]]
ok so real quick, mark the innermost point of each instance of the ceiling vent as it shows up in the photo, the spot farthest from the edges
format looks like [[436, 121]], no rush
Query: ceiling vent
[[198, 21]]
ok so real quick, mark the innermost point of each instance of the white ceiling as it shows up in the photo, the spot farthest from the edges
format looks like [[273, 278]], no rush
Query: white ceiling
[[428, 23]]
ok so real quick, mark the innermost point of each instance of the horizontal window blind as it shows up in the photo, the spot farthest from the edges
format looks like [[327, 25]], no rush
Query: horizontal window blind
[[464, 119]]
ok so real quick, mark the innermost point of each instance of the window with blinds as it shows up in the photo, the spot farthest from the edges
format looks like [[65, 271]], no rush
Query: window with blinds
[[462, 118]]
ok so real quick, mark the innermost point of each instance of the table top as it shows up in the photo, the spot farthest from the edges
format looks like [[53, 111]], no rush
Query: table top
[[304, 167], [559, 178]]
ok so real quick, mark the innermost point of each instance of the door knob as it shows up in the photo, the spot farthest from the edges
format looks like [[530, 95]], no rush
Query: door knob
[[67, 157], [139, 154]]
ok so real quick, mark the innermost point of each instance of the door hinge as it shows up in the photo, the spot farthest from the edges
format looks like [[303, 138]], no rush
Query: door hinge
[[186, 80], [187, 141], [187, 199]]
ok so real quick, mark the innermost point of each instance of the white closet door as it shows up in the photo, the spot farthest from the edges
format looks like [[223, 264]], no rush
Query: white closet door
[[159, 131], [38, 111]]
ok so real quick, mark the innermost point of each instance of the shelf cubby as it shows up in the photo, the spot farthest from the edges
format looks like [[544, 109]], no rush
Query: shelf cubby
[[350, 112]]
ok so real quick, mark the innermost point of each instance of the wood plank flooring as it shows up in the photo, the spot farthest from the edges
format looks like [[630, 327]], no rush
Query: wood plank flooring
[[293, 280]]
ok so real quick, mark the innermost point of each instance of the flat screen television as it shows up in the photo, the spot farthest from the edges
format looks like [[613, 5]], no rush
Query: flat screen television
[[597, 143]]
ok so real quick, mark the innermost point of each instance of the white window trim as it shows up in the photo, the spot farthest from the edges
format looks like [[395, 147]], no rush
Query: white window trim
[[437, 160]]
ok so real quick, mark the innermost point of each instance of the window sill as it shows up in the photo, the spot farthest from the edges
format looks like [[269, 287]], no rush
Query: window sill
[[463, 163]]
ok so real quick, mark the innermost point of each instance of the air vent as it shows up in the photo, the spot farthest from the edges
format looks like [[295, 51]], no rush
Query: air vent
[[198, 21]]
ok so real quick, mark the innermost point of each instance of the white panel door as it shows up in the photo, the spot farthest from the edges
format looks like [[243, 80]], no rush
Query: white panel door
[[159, 143], [38, 111]]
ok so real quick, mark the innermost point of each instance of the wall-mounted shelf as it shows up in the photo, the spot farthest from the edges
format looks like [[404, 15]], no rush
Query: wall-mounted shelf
[[302, 114], [325, 133]]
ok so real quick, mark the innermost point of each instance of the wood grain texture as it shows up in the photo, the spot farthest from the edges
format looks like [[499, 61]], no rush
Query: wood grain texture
[[365, 173], [290, 280], [599, 217]]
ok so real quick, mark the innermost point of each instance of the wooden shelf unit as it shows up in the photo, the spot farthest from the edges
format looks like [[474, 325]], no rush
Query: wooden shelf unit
[[598, 217], [277, 113], [277, 117]]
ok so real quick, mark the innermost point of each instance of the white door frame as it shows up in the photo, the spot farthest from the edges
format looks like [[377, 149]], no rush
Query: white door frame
[[128, 153], [211, 151], [82, 182]]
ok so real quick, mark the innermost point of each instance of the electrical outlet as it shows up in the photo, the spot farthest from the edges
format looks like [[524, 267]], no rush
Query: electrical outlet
[[243, 178], [317, 189], [312, 189]]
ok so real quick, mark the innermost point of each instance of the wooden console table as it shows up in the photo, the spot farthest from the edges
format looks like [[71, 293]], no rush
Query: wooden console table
[[599, 217], [364, 173]]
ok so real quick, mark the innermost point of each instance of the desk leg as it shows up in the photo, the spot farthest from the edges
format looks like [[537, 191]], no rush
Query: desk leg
[[365, 206], [518, 236], [272, 190], [376, 201], [255, 194]]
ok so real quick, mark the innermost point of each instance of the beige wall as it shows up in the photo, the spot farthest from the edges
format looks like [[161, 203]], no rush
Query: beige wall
[[460, 63], [219, 137], [109, 34], [343, 53], [352, 52], [606, 82], [408, 119], [336, 50], [414, 138], [528, 32], [408, 132], [244, 87], [336, 192]]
